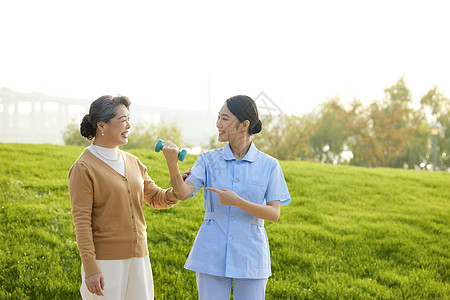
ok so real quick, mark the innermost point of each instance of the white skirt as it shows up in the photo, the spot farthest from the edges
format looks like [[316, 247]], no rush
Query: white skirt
[[124, 279]]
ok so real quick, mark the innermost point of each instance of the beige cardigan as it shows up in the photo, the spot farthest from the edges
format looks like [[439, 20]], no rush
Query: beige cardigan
[[107, 208]]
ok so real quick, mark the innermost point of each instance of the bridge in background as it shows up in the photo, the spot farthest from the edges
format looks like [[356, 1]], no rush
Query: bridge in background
[[39, 118]]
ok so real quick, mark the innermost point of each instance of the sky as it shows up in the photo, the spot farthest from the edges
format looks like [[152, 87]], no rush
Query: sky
[[195, 53]]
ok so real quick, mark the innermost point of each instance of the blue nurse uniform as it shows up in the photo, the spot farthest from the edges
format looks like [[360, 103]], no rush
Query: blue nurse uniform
[[231, 242]]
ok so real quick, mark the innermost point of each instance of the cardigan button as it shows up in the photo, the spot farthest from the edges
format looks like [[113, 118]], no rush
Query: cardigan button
[[134, 242], [124, 179]]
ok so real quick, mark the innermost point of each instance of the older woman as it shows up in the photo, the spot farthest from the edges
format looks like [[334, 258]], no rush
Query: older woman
[[107, 189]]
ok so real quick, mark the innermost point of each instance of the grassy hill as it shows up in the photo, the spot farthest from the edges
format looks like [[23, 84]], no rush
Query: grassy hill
[[349, 233]]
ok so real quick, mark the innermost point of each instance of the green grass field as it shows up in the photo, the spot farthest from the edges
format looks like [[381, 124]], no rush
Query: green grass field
[[349, 233]]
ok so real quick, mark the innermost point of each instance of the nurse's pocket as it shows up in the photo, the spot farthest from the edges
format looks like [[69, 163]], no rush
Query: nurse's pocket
[[256, 192], [258, 247]]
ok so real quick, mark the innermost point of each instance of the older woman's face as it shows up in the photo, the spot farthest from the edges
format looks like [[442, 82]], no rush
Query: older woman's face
[[117, 129]]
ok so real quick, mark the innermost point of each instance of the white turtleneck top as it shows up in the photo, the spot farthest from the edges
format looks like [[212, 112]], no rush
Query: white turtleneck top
[[111, 156]]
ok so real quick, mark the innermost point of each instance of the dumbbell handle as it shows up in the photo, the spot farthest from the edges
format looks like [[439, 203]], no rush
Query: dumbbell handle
[[181, 154]]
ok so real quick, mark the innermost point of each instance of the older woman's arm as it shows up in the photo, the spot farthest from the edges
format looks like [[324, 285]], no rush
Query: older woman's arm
[[183, 189]]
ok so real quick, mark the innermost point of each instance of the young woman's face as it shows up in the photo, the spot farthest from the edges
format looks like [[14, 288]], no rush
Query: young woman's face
[[227, 124], [117, 129]]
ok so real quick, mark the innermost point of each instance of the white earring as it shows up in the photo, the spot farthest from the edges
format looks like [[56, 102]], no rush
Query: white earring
[[103, 133]]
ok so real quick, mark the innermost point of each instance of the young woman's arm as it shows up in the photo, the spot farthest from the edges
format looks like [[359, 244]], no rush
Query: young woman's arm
[[181, 188], [270, 211]]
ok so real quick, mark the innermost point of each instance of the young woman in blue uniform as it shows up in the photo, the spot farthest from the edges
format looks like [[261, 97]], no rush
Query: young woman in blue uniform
[[243, 187]]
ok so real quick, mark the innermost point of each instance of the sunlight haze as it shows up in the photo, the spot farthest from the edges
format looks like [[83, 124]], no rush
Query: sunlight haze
[[183, 53]]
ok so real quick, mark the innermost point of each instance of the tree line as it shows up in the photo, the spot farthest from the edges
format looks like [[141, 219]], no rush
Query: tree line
[[389, 132]]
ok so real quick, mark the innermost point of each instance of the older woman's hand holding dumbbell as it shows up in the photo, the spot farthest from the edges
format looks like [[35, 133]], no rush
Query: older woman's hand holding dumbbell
[[169, 147], [172, 155]]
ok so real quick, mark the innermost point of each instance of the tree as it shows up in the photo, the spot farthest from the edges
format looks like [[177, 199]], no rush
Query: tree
[[72, 136], [285, 137], [394, 123], [328, 138], [438, 107], [356, 127], [387, 128], [435, 103], [388, 133]]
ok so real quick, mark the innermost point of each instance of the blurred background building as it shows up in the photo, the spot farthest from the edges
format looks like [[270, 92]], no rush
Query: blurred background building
[[40, 118]]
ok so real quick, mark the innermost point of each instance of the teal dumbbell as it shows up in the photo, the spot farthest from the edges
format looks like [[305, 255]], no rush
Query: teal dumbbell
[[160, 145]]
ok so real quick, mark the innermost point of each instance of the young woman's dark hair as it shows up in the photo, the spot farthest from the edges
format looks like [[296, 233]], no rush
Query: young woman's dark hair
[[244, 108], [102, 110]]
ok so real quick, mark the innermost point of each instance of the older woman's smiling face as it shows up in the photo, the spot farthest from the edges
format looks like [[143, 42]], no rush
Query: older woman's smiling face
[[117, 129]]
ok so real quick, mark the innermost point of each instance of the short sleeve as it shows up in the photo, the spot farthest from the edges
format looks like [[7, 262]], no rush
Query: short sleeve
[[198, 174], [277, 188]]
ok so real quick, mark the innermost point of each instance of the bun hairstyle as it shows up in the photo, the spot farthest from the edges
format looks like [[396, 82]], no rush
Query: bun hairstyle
[[244, 108], [101, 110]]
